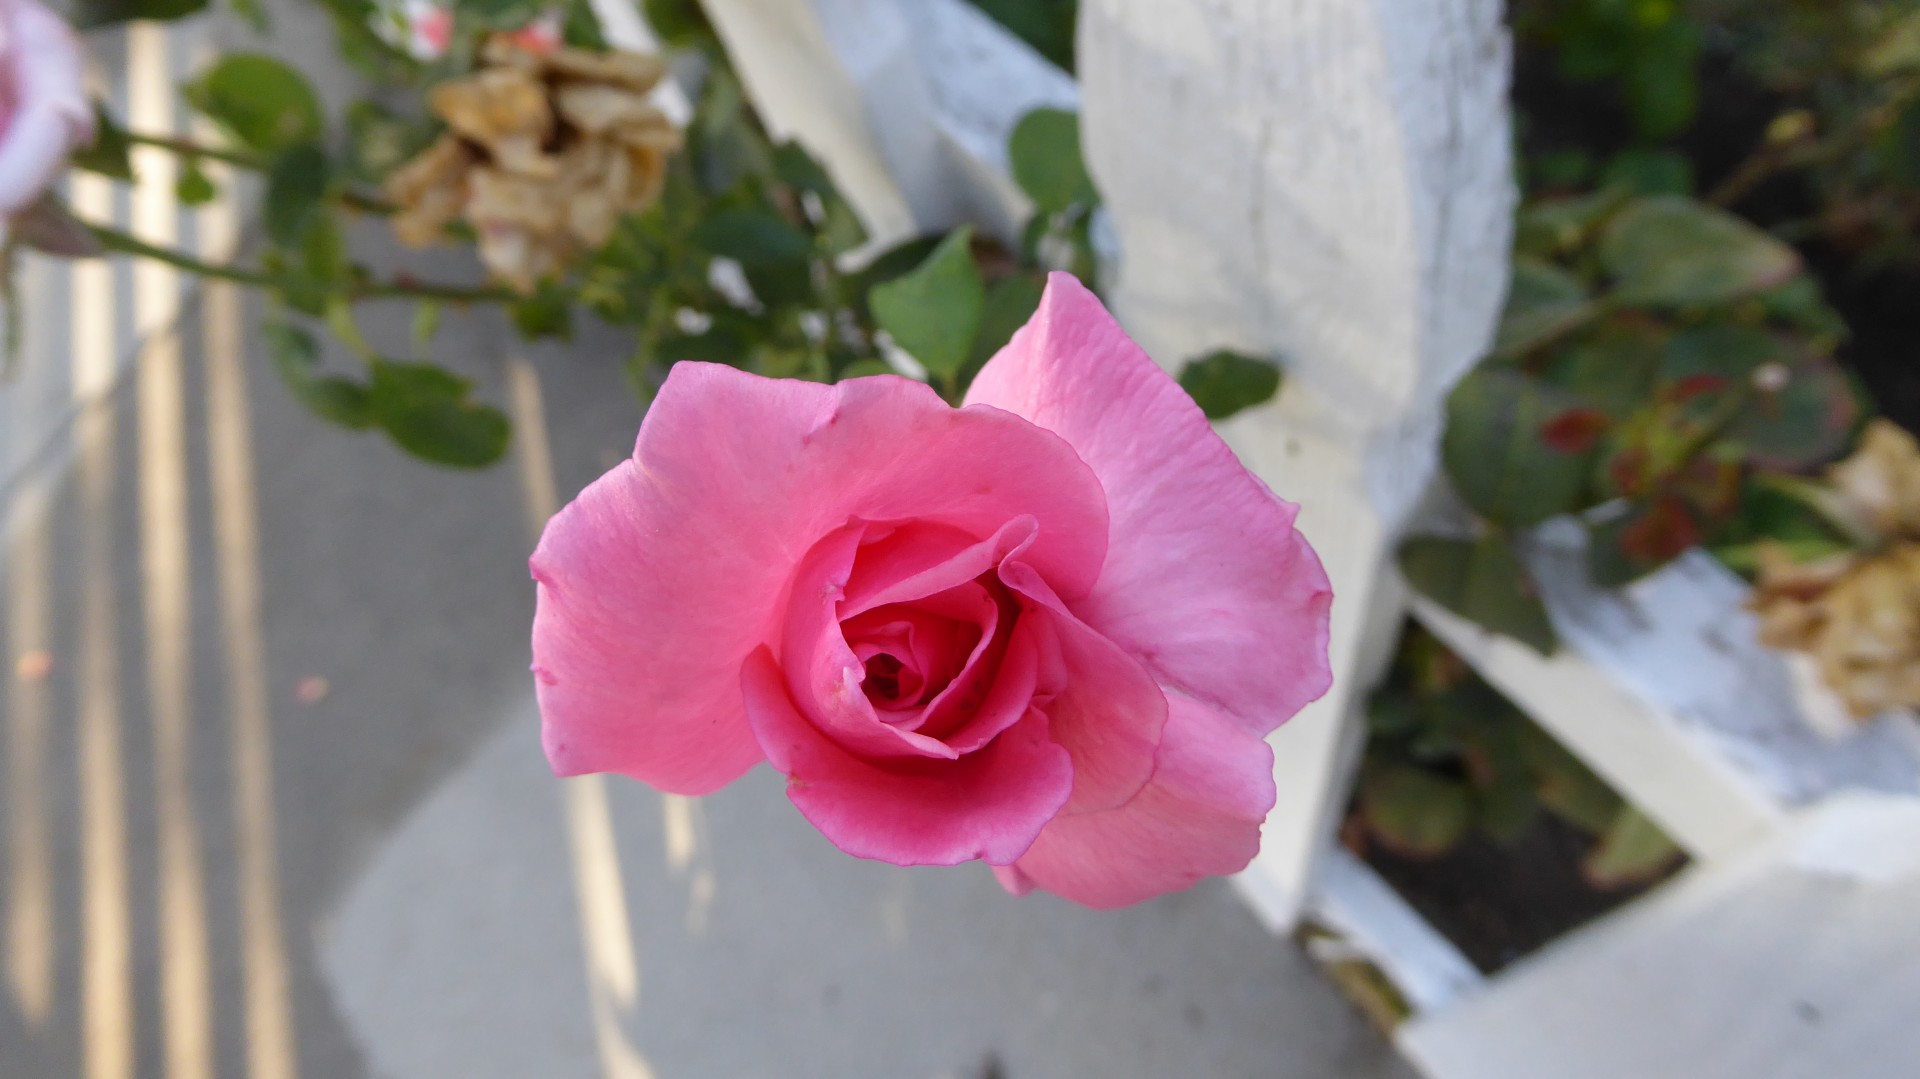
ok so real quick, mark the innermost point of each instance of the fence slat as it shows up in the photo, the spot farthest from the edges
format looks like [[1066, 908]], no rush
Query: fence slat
[[1797, 960], [1330, 183]]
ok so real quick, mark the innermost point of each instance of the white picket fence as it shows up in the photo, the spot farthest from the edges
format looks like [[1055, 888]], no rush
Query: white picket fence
[[1330, 182]]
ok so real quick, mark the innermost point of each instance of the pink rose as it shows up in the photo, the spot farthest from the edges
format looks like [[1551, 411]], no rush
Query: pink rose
[[1048, 630], [44, 114], [425, 28]]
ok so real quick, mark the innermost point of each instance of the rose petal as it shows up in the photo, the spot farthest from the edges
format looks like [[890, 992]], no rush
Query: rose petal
[[822, 672], [50, 115], [988, 805], [661, 578], [1206, 580], [1103, 706], [1199, 817], [919, 559]]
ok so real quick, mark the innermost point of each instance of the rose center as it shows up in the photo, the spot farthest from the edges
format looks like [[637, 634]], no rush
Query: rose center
[[909, 653], [889, 681]]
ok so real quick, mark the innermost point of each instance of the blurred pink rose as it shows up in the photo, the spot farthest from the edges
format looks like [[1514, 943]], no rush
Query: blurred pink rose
[[425, 28], [44, 114], [1048, 630]]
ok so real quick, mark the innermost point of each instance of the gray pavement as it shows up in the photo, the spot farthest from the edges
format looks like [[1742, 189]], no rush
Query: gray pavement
[[274, 805]]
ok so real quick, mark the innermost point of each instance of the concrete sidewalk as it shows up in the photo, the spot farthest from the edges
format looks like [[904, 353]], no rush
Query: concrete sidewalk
[[274, 805]]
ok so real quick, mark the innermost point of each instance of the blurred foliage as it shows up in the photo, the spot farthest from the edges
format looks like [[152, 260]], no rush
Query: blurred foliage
[[1047, 25], [1449, 758], [751, 256], [1665, 361], [1657, 361], [1826, 94]]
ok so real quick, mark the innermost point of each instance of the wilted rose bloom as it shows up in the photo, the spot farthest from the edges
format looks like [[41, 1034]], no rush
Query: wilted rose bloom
[[1858, 614], [44, 114], [545, 150], [1049, 630]]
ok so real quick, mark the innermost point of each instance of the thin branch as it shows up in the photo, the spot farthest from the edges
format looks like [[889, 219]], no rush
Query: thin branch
[[115, 240], [1769, 160], [189, 148], [403, 289]]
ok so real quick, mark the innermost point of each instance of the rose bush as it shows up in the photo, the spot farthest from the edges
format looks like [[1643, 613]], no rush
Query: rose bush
[[1049, 629], [44, 115]]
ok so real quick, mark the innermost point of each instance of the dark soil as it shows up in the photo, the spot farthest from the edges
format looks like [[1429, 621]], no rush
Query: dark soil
[[1498, 902]]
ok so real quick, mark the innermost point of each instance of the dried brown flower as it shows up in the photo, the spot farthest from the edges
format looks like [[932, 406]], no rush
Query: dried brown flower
[[544, 153], [1857, 615]]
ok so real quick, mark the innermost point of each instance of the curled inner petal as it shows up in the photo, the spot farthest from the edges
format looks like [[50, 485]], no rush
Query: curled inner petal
[[911, 653]]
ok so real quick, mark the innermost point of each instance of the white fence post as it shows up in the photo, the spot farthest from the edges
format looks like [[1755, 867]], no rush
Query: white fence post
[[1330, 183]]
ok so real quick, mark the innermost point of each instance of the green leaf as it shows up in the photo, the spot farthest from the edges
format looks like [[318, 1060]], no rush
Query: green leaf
[[1564, 167], [505, 15], [1010, 302], [840, 228], [1045, 25], [786, 284], [1673, 252], [1611, 368], [1482, 581], [92, 14], [1542, 302], [1225, 382], [866, 369], [314, 273], [1660, 83], [296, 193], [1649, 172], [753, 238], [1044, 152], [296, 355], [380, 140], [1556, 227], [1800, 305], [428, 412], [111, 154], [1414, 812], [1800, 408], [679, 23], [1392, 713], [1803, 423], [1494, 452], [254, 14], [795, 166], [1632, 851], [581, 27], [717, 344], [264, 104], [1565, 785], [934, 311], [1725, 350], [894, 262], [1611, 558], [546, 313], [194, 187], [1505, 804], [1797, 513]]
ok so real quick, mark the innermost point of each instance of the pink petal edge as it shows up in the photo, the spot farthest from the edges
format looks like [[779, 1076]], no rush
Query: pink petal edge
[[1198, 817], [1206, 579]]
